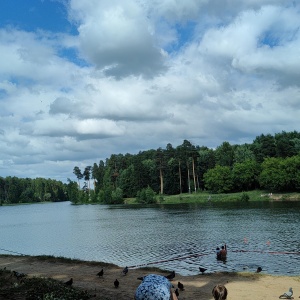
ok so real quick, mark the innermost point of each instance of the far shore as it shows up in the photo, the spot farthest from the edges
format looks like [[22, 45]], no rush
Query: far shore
[[200, 197], [247, 286]]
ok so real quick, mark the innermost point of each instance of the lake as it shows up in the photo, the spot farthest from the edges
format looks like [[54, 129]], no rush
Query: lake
[[172, 237]]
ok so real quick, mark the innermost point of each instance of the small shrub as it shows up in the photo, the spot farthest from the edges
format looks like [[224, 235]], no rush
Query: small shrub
[[245, 197], [161, 198], [146, 196], [117, 196]]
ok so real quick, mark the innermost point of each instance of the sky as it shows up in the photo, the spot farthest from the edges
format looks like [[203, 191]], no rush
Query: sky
[[83, 79]]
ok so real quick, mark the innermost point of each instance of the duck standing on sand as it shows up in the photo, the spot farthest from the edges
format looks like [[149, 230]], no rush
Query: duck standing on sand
[[171, 275], [116, 283], [100, 273], [125, 270], [180, 286], [287, 295]]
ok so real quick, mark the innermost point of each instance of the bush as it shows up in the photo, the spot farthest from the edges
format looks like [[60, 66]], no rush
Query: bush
[[117, 196], [107, 195], [245, 197], [146, 196], [161, 198]]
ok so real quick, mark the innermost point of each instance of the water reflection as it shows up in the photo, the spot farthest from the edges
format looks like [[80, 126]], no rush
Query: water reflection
[[179, 237]]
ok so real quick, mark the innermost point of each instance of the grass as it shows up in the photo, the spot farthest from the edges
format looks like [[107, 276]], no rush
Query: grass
[[62, 259], [204, 197], [37, 289]]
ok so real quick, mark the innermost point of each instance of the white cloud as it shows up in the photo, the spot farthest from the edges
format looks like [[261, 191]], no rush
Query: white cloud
[[233, 76], [258, 42], [115, 36]]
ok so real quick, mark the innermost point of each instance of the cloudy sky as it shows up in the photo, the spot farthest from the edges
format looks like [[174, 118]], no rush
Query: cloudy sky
[[83, 79]]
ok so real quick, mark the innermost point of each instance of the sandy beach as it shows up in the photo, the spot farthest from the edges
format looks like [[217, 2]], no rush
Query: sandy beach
[[240, 285]]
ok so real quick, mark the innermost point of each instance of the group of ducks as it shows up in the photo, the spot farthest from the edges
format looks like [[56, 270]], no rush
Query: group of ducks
[[171, 276], [146, 280], [116, 282], [100, 274]]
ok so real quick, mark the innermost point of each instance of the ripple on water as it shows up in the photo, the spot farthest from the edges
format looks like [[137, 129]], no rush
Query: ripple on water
[[173, 238]]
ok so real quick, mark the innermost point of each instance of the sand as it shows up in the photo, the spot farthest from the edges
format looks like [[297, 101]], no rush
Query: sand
[[240, 285]]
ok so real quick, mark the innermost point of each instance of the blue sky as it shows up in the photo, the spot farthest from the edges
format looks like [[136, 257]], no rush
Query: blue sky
[[83, 79], [50, 15]]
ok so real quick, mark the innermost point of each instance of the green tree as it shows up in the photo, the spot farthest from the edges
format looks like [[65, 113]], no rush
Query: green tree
[[273, 174], [127, 182], [194, 158], [13, 189], [245, 175], [78, 174], [27, 195], [108, 186], [87, 175], [263, 146], [185, 151], [2, 190], [171, 171], [179, 156], [94, 173], [291, 166], [161, 165], [73, 191], [243, 153], [218, 179], [171, 177], [286, 144], [117, 196], [98, 175], [206, 161], [296, 142], [224, 155]]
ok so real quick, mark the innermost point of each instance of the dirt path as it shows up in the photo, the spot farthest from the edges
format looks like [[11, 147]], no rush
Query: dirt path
[[240, 286]]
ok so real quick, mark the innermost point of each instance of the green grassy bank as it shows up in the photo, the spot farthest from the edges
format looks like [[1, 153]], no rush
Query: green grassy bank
[[204, 197]]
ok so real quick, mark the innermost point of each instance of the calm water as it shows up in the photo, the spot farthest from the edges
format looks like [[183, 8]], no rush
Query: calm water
[[170, 237]]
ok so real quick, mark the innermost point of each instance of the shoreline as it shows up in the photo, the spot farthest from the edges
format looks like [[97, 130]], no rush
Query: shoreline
[[243, 285], [256, 196]]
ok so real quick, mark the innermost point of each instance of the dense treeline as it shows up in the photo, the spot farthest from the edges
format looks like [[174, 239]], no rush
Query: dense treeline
[[23, 190], [270, 162]]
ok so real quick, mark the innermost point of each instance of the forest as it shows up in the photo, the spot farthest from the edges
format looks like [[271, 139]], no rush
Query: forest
[[270, 162], [26, 190]]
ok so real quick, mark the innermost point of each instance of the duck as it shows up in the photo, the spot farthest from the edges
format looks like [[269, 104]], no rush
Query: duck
[[287, 295], [69, 282], [116, 283], [100, 273], [125, 270], [171, 275], [180, 286]]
